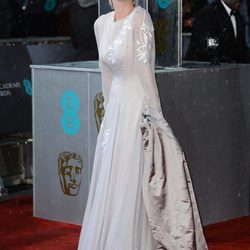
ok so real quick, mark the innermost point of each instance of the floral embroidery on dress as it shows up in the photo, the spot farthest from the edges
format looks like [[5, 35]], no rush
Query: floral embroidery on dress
[[114, 47], [145, 43]]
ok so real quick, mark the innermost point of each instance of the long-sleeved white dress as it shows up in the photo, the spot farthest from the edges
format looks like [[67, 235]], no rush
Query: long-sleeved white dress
[[141, 195]]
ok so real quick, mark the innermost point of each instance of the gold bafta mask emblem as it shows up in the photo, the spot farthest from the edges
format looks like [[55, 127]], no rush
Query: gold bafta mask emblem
[[70, 167], [99, 109]]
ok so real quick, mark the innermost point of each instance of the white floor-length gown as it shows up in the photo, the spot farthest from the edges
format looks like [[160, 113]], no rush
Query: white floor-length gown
[[141, 195]]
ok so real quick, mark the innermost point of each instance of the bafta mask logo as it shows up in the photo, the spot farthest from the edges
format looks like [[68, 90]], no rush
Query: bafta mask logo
[[70, 167], [99, 109]]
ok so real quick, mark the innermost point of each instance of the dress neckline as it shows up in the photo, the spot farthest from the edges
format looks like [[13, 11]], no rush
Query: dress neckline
[[124, 18]]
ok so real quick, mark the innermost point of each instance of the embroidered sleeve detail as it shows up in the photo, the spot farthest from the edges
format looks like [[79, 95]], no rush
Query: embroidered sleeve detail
[[145, 43]]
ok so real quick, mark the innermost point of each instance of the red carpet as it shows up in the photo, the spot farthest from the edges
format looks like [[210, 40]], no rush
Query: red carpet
[[20, 231], [229, 235]]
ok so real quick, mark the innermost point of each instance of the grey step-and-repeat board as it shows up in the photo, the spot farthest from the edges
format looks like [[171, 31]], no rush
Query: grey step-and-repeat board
[[208, 112], [67, 112]]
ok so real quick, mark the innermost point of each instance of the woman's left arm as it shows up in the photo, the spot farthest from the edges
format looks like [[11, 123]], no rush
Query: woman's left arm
[[145, 57]]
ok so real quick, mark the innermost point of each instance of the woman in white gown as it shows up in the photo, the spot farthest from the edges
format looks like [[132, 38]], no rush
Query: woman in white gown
[[141, 195]]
